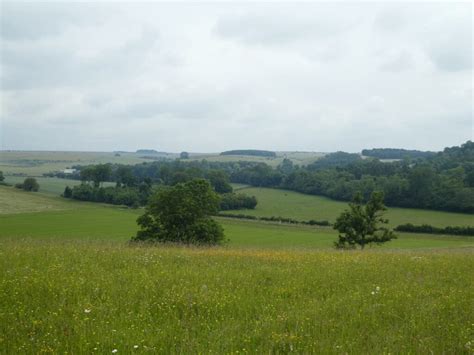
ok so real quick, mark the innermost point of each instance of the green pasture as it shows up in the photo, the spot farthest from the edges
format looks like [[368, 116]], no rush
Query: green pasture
[[274, 202], [56, 218], [100, 297]]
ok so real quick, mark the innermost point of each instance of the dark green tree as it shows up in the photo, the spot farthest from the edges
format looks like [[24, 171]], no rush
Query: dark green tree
[[30, 184], [363, 224], [125, 176], [1, 176], [67, 192], [219, 181], [184, 155], [182, 214]]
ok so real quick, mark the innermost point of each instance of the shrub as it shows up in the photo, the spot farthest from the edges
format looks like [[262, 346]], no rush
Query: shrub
[[30, 184], [232, 201], [426, 228]]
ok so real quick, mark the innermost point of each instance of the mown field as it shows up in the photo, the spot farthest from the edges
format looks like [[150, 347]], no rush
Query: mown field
[[71, 283], [273, 202]]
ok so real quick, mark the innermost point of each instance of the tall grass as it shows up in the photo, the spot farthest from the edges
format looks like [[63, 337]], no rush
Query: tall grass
[[94, 297]]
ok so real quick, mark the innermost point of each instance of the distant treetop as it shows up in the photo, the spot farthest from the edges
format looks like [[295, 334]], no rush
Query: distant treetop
[[395, 153], [252, 152], [147, 151]]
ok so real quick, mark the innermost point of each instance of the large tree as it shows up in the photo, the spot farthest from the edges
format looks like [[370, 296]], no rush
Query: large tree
[[363, 224], [182, 214]]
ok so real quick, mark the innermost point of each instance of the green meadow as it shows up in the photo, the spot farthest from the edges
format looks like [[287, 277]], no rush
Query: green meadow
[[71, 283], [41, 216], [273, 202]]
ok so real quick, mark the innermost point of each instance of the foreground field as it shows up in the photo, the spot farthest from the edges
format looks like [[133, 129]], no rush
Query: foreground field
[[273, 202], [94, 297]]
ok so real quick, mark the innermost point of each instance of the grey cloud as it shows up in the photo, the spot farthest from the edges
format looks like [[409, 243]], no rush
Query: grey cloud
[[210, 77], [453, 54], [398, 62], [268, 26], [32, 21]]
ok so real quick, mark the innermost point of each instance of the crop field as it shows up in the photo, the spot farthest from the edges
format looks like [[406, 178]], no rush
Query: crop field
[[71, 282], [274, 202], [298, 158], [37, 163]]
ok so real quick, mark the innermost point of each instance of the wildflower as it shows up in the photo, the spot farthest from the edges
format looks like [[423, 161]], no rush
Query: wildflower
[[373, 293], [377, 289], [135, 346], [87, 310], [114, 351]]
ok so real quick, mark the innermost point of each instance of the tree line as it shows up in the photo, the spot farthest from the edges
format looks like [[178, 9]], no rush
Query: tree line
[[444, 181]]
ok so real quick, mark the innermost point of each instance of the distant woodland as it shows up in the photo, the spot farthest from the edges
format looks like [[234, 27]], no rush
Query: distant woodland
[[441, 181]]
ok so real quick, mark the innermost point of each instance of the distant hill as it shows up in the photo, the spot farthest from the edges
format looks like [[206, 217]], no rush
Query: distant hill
[[395, 153], [251, 152], [146, 151]]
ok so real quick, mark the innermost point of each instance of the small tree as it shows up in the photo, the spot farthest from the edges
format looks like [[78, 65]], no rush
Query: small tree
[[67, 192], [219, 181], [30, 184], [1, 176], [184, 155], [181, 214], [362, 225]]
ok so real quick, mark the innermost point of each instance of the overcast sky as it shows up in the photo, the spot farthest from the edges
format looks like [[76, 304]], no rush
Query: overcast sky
[[212, 77]]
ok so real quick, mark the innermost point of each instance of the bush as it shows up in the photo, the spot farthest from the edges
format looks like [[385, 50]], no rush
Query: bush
[[426, 228], [232, 201], [30, 184], [128, 196], [67, 192], [276, 219]]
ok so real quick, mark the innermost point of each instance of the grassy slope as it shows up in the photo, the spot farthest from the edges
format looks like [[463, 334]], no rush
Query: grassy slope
[[273, 202]]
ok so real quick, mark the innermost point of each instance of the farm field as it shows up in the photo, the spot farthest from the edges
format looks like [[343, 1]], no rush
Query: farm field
[[39, 162], [36, 163], [69, 219], [298, 158], [50, 185], [274, 202]]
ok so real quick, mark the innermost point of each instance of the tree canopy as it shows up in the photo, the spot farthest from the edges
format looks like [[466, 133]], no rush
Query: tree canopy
[[182, 214], [363, 224]]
